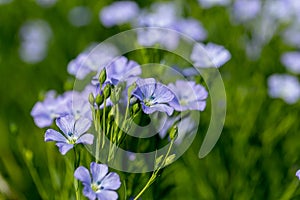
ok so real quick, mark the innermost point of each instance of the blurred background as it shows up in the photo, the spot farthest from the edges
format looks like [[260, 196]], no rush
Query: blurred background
[[257, 155]]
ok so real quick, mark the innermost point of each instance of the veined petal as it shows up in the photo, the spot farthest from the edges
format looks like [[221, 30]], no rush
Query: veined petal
[[111, 181], [98, 171], [86, 139], [89, 193], [64, 147], [81, 126], [53, 135], [163, 108], [107, 195], [82, 174], [66, 124], [163, 94]]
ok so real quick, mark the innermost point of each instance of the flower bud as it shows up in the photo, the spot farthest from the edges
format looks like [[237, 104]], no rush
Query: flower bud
[[102, 76], [91, 99], [107, 90], [115, 95], [173, 133], [99, 99], [136, 108]]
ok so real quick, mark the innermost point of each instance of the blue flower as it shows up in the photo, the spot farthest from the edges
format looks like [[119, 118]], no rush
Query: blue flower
[[210, 55], [101, 185], [153, 96], [118, 13], [291, 60], [188, 95], [285, 87], [45, 112], [298, 174], [123, 69], [73, 133]]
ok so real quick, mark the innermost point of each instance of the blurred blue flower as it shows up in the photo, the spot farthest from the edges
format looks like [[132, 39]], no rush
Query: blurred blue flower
[[192, 28], [44, 112], [211, 3], [298, 174], [93, 59], [74, 132], [210, 55], [101, 184], [291, 60], [285, 87], [188, 95], [122, 69], [118, 13], [244, 10], [35, 35], [153, 96]]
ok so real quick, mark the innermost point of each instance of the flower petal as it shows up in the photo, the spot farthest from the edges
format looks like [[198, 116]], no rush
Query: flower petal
[[82, 174], [111, 181], [81, 126], [66, 124], [64, 147], [158, 107], [98, 171], [86, 139], [107, 195], [89, 193], [53, 135]]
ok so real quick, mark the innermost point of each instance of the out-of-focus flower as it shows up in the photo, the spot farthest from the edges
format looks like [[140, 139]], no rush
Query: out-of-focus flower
[[74, 132], [163, 37], [94, 58], [118, 13], [291, 61], [285, 87], [191, 96], [298, 174], [192, 28], [210, 55], [44, 112], [101, 184], [122, 69], [34, 41], [80, 16], [291, 35], [244, 10], [46, 3], [153, 96], [210, 3]]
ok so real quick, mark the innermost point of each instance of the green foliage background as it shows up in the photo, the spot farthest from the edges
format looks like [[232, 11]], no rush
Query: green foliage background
[[256, 157]]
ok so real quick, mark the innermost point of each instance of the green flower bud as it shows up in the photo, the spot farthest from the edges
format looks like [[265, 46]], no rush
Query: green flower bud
[[115, 95], [136, 108], [102, 76], [173, 133], [99, 99], [107, 90], [91, 99]]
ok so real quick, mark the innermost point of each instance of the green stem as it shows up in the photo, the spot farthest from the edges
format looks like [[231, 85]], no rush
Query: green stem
[[150, 181], [97, 127], [154, 174], [104, 125], [76, 164]]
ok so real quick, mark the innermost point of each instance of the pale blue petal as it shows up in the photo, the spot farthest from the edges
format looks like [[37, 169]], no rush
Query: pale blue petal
[[107, 195], [53, 135], [81, 126], [64, 147], [86, 139], [82, 174], [111, 181], [98, 171], [66, 124]]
